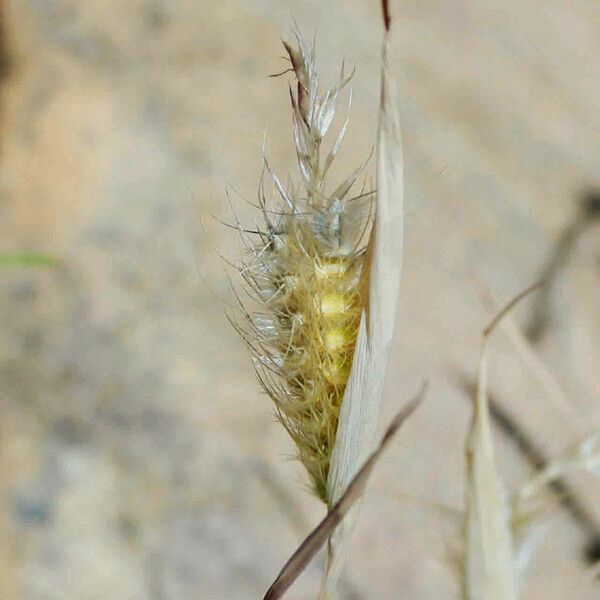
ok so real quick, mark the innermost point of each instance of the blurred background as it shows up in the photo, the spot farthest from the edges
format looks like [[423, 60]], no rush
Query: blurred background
[[138, 458]]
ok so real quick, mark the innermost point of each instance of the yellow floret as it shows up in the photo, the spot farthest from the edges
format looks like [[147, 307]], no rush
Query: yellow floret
[[335, 339], [337, 372], [327, 268], [333, 304]]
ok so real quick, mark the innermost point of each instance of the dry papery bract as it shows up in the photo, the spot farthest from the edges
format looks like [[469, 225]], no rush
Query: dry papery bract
[[322, 280]]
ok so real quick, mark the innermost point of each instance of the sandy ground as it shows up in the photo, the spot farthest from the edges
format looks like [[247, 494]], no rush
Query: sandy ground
[[138, 460]]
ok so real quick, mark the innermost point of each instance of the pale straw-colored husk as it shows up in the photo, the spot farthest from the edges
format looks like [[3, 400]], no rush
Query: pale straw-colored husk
[[489, 568], [362, 400]]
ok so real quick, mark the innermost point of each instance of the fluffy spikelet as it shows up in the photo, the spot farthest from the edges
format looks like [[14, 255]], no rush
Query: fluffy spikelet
[[304, 276]]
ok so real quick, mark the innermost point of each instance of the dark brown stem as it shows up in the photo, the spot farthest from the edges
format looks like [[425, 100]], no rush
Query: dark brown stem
[[387, 17]]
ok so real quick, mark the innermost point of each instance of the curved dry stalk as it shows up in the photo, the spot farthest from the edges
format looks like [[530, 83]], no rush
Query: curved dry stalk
[[583, 456], [313, 543]]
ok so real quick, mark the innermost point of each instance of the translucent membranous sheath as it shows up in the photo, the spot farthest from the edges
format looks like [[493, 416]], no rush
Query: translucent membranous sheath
[[303, 273]]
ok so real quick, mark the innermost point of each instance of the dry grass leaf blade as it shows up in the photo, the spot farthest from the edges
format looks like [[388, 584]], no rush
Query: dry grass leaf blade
[[541, 438], [489, 573], [489, 567], [313, 543]]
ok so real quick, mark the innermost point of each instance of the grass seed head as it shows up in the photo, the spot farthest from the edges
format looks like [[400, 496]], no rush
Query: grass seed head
[[304, 275]]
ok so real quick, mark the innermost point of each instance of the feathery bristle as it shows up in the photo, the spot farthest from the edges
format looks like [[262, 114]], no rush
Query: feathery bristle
[[306, 275]]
